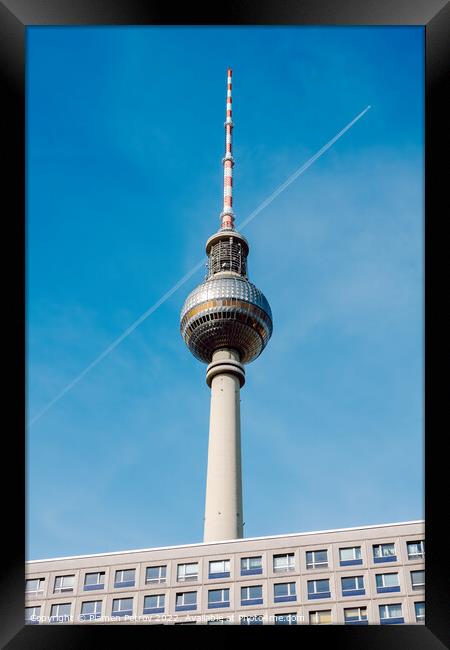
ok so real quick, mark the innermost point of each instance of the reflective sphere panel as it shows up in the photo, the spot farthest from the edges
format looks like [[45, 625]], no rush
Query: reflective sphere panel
[[226, 312]]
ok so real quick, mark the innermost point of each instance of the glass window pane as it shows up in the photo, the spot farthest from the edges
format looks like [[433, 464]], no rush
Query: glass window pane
[[391, 580], [255, 592], [418, 577], [281, 590]]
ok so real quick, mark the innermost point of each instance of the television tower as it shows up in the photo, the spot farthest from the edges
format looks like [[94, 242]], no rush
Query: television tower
[[226, 322]]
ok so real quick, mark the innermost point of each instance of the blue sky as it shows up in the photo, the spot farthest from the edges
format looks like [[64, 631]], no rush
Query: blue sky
[[124, 145]]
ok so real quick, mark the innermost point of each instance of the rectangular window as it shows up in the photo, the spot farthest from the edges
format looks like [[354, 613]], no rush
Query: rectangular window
[[60, 613], [320, 617], [353, 586], [391, 613], [154, 604], [251, 595], [319, 589], [355, 615], [350, 555], [284, 592], [418, 579], [283, 563], [219, 569], [124, 578], [93, 581], [387, 582], [64, 584], [316, 559], [285, 619], [251, 565], [384, 553], [156, 574], [251, 620], [186, 601], [91, 610], [122, 607], [34, 586], [32, 615], [187, 572], [416, 550], [419, 608], [218, 598]]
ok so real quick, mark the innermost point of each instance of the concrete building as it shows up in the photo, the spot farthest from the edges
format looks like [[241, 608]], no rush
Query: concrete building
[[355, 576]]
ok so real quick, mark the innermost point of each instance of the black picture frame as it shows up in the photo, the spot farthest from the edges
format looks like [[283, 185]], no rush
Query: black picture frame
[[15, 17]]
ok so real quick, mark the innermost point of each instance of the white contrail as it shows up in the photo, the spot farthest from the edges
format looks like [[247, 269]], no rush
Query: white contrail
[[186, 277]]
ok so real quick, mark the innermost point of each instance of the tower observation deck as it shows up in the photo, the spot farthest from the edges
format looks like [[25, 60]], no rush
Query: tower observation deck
[[226, 322]]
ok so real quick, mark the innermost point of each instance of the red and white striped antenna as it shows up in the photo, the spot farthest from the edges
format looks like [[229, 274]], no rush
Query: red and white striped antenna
[[227, 214]]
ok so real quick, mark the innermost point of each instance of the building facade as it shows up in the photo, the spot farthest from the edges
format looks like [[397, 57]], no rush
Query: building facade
[[355, 576]]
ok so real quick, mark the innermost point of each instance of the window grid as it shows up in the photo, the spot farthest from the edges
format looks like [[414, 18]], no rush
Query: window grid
[[122, 607], [32, 615], [416, 550], [93, 581], [282, 563], [187, 572], [418, 579], [156, 574], [317, 559], [90, 610], [34, 586], [64, 584]]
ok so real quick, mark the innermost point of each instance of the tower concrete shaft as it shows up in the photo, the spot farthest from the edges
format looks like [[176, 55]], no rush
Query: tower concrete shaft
[[223, 508]]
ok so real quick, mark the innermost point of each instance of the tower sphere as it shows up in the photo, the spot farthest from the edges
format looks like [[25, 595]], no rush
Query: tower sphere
[[227, 310]]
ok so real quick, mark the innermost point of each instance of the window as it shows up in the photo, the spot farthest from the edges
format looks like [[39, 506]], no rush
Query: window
[[34, 586], [186, 600], [320, 617], [387, 582], [32, 615], [350, 555], [187, 572], [218, 598], [420, 612], [416, 550], [284, 592], [122, 607], [251, 565], [384, 553], [283, 563], [391, 614], [155, 574], [219, 569], [91, 610], [124, 578], [63, 584], [251, 620], [285, 619], [154, 604], [316, 559], [418, 579], [318, 589], [353, 586], [94, 581], [355, 615], [60, 613], [251, 595]]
